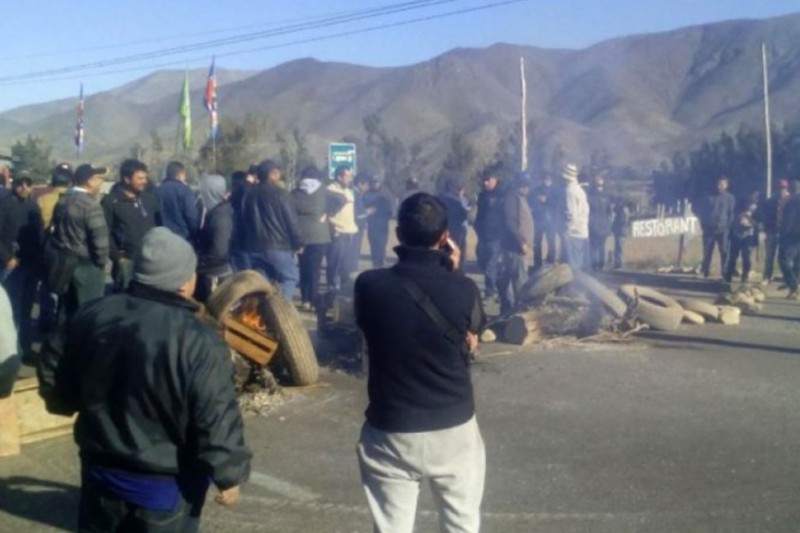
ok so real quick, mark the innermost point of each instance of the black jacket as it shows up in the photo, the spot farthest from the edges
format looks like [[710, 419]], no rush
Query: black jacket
[[21, 230], [717, 216], [214, 240], [269, 220], [790, 227], [383, 204], [418, 379], [79, 226], [152, 386], [312, 211], [489, 221], [601, 213], [128, 219]]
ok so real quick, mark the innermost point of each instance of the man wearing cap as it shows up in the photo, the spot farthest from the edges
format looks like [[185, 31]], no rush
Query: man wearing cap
[[343, 228], [131, 210], [20, 252], [576, 218], [60, 181], [78, 241], [517, 242], [179, 211], [158, 420], [270, 233], [489, 222]]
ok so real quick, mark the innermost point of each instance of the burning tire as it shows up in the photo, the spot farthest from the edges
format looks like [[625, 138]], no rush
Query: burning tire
[[270, 315], [295, 345], [655, 309], [236, 287]]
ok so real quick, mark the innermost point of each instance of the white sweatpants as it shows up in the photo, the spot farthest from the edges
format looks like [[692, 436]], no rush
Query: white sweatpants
[[393, 465]]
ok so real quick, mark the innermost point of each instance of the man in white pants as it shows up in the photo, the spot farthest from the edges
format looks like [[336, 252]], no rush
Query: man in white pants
[[420, 320]]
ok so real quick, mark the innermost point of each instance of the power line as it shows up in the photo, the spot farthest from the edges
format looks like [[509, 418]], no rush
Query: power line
[[204, 59], [331, 21]]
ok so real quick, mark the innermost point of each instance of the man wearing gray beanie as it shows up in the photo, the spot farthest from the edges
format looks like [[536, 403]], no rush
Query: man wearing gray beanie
[[158, 419]]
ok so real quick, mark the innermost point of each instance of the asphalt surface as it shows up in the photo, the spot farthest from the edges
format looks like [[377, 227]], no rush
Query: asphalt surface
[[692, 431]]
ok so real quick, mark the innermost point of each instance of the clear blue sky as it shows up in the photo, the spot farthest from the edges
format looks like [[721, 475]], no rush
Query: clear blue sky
[[44, 35]]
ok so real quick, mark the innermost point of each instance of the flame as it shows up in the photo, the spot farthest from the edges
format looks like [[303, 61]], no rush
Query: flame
[[249, 314]]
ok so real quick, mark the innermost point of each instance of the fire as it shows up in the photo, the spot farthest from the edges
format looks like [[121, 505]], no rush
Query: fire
[[250, 315]]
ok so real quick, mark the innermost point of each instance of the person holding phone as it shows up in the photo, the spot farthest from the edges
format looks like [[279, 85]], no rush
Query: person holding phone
[[420, 423]]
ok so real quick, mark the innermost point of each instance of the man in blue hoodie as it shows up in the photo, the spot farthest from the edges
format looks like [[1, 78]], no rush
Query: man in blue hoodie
[[179, 211]]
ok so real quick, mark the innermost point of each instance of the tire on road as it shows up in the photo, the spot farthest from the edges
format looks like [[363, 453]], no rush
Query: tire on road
[[690, 317], [294, 344], [706, 310], [607, 297], [655, 309], [546, 281], [234, 289]]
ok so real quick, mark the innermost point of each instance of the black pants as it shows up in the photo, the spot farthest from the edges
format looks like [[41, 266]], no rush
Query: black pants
[[718, 240], [101, 512], [339, 260], [597, 252], [619, 250], [543, 234], [378, 237], [513, 275], [770, 253], [21, 286], [743, 247], [789, 261], [310, 267]]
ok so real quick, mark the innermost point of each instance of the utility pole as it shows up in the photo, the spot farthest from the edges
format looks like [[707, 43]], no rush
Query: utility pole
[[767, 127], [523, 116]]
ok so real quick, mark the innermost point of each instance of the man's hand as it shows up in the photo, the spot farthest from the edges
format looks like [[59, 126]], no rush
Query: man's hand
[[455, 254], [12, 263], [228, 497], [525, 249], [472, 341]]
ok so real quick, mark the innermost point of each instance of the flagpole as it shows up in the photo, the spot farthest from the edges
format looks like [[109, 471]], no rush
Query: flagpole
[[523, 116], [767, 127]]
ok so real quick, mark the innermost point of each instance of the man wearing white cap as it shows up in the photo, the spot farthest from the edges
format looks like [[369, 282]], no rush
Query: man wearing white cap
[[576, 218]]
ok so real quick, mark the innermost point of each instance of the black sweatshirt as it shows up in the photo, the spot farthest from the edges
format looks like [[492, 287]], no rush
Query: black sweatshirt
[[418, 379]]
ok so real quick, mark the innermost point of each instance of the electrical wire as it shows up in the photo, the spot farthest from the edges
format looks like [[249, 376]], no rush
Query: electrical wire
[[331, 21], [204, 59]]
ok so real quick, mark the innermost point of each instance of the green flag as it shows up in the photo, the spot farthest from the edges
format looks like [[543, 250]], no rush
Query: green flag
[[186, 112]]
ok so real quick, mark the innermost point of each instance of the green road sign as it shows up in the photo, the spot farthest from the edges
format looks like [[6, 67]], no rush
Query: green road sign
[[341, 154]]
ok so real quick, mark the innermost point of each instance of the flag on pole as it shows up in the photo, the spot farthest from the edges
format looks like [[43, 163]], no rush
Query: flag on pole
[[185, 111], [210, 100], [79, 124]]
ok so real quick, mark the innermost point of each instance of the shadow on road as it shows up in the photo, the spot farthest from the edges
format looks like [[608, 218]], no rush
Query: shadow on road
[[45, 502], [672, 339], [664, 281]]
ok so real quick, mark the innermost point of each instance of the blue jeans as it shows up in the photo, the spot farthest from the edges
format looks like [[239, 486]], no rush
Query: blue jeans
[[490, 258], [278, 266], [576, 248]]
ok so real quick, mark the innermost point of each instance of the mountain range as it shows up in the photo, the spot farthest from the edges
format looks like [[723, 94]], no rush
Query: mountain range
[[637, 98]]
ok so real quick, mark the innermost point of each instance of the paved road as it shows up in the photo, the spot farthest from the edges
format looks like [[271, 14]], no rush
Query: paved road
[[693, 431]]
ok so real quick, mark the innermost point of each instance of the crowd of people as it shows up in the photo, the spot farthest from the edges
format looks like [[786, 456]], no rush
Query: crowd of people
[[158, 420], [733, 228]]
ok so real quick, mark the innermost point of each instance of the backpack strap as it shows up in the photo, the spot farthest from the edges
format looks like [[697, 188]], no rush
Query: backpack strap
[[423, 301]]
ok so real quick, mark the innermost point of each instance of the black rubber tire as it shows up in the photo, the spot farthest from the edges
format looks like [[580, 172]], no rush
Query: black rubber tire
[[294, 344], [655, 309], [235, 288], [704, 309], [543, 283], [607, 297]]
